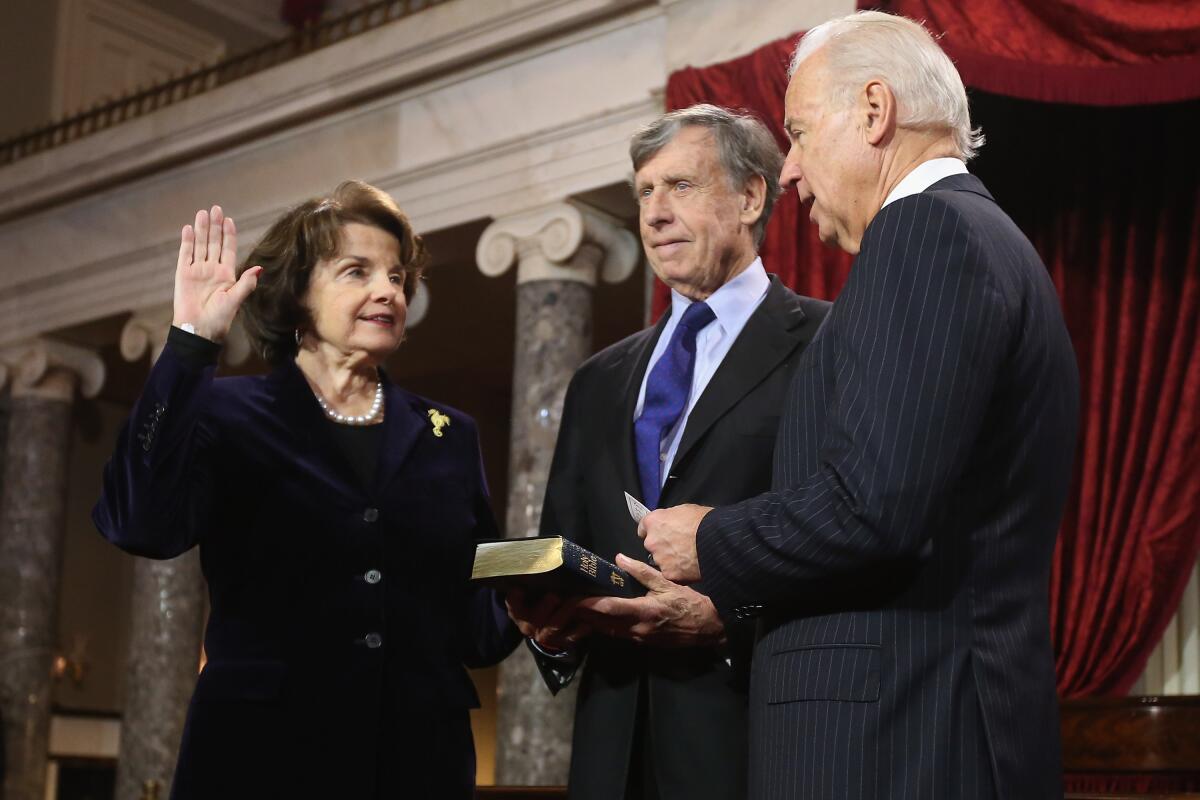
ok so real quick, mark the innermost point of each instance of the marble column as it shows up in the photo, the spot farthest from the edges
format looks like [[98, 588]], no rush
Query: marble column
[[4, 406], [44, 376], [166, 623], [560, 250]]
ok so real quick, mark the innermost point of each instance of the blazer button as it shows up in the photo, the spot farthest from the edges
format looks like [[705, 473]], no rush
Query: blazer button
[[373, 576], [370, 515], [373, 640]]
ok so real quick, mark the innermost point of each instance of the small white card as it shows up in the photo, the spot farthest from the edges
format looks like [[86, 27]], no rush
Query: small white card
[[636, 509]]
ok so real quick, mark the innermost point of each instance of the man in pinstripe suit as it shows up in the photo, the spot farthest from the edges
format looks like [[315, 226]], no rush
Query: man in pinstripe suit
[[899, 566]]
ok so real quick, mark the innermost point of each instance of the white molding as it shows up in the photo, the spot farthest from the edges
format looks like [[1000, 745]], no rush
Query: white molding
[[116, 247], [464, 111], [160, 39], [582, 155], [418, 50]]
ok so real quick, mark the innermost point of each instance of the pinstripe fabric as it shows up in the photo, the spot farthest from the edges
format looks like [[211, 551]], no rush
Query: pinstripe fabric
[[903, 555]]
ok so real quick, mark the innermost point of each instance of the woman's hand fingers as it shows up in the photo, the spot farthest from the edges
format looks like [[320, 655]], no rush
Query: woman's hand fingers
[[244, 286], [187, 243], [208, 291], [201, 228], [216, 230], [216, 317], [229, 244]]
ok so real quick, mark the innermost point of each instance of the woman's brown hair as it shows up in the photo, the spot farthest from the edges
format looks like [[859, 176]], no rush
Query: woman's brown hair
[[299, 239]]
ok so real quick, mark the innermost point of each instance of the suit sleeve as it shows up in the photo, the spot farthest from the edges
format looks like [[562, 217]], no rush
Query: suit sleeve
[[157, 490], [564, 514], [564, 507], [490, 634], [920, 333]]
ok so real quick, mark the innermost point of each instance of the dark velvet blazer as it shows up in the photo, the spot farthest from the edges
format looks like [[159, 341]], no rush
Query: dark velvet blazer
[[696, 697], [341, 614], [900, 565]]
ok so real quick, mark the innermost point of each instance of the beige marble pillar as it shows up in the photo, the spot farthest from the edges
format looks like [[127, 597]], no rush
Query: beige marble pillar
[[43, 376], [560, 251]]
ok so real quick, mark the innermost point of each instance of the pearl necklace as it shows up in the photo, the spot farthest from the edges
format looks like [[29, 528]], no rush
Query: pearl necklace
[[370, 417]]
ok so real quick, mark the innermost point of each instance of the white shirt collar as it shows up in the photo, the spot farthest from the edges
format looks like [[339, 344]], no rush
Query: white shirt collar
[[924, 176], [733, 302]]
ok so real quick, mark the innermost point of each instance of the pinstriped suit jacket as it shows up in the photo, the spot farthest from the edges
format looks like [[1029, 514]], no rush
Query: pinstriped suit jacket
[[901, 560]]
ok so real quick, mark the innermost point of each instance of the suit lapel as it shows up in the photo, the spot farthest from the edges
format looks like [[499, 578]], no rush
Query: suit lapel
[[771, 333], [297, 408], [403, 422], [636, 360]]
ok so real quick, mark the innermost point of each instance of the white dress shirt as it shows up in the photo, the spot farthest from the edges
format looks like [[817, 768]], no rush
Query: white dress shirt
[[924, 176], [732, 304]]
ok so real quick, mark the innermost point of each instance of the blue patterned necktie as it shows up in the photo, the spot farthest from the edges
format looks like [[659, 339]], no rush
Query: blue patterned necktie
[[667, 391]]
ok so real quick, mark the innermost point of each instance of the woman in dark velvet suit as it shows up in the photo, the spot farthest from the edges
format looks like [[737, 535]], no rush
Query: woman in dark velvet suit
[[335, 513]]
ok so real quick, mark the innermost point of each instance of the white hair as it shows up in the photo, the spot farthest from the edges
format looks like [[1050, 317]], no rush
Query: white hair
[[872, 45]]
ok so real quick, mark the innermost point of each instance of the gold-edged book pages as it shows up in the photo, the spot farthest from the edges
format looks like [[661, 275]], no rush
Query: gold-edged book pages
[[550, 564]]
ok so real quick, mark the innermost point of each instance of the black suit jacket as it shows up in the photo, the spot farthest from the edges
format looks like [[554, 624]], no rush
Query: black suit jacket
[[342, 617], [696, 700], [901, 562]]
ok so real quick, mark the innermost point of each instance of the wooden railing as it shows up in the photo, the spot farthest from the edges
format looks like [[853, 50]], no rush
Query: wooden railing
[[139, 102]]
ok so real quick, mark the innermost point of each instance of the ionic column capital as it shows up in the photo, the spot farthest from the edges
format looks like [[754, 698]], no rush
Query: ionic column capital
[[418, 307], [51, 369], [561, 241], [148, 328]]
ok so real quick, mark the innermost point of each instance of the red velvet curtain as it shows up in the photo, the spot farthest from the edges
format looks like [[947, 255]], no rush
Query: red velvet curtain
[[1094, 52], [1111, 199]]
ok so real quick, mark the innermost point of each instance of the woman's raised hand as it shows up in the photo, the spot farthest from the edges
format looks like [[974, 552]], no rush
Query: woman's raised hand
[[208, 291]]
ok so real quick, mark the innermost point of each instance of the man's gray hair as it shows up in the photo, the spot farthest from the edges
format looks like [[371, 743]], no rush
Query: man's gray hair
[[872, 45], [744, 145]]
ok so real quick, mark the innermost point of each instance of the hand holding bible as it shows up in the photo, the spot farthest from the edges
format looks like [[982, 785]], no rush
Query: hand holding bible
[[669, 614], [548, 619]]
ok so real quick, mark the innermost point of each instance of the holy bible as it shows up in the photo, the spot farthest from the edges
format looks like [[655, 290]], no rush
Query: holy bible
[[550, 564]]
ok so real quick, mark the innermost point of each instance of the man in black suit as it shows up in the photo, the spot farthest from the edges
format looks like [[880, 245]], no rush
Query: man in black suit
[[899, 566], [686, 411]]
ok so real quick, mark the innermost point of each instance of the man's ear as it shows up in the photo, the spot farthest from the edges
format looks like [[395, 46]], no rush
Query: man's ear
[[754, 195], [878, 108]]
